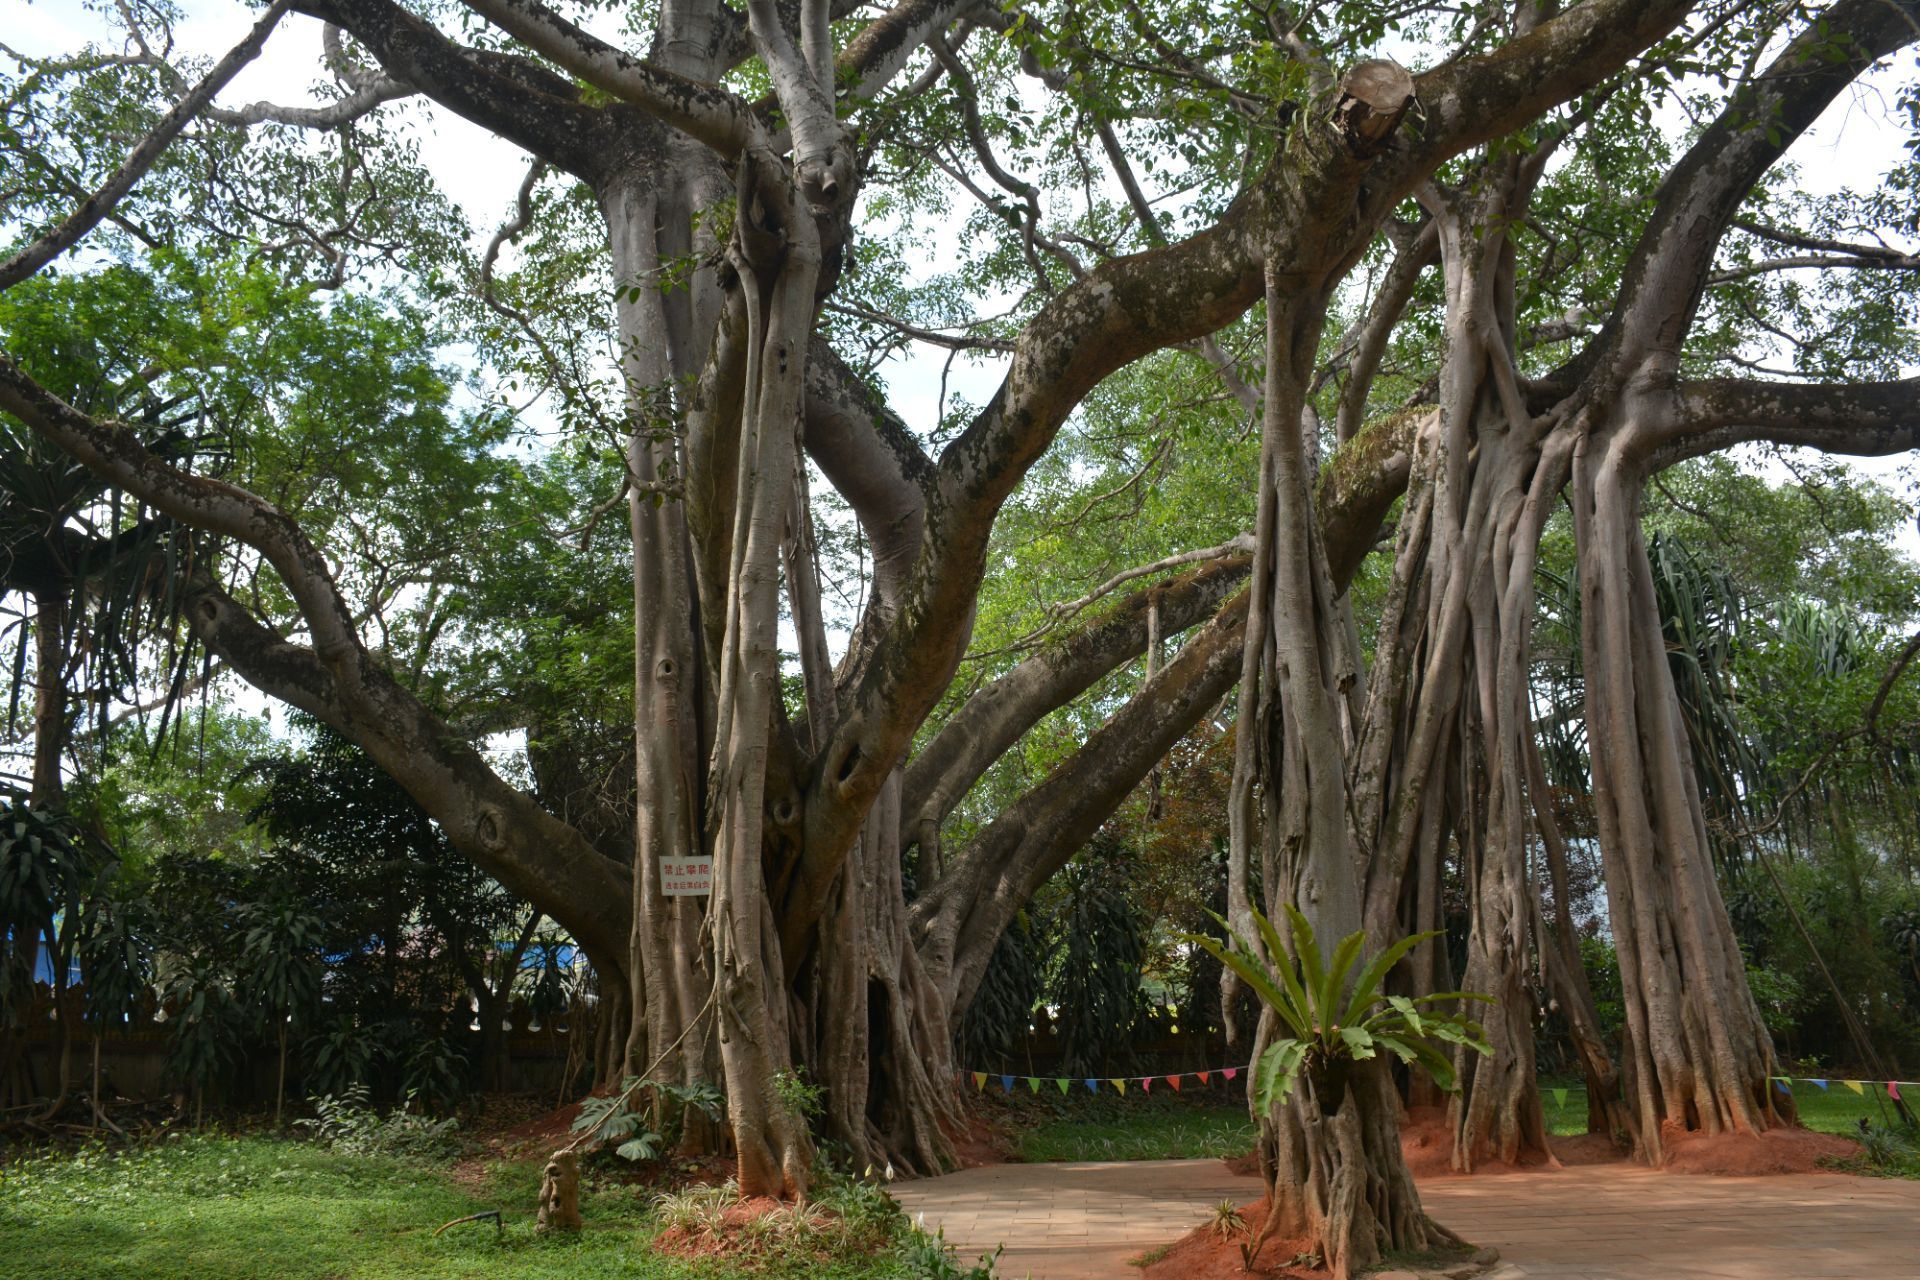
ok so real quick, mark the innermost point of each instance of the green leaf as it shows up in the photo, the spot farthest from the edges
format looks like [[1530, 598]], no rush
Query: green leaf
[[644, 1147], [1359, 1042], [1366, 989], [1276, 1073], [1344, 957]]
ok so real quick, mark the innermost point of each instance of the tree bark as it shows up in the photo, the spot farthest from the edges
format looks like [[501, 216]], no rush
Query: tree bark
[[1698, 1056]]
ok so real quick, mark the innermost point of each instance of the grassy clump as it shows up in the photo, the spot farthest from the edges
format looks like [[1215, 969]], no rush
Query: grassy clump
[[1835, 1109], [205, 1207], [1886, 1151]]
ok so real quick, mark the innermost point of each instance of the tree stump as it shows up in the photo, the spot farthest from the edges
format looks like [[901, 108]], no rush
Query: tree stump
[[560, 1194]]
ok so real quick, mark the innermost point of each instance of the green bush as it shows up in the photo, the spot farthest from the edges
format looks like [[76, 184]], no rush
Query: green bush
[[349, 1125]]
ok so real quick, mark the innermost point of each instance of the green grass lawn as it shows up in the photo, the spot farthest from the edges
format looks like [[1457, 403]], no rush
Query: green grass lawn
[[1146, 1128], [1174, 1127], [221, 1208], [1836, 1109]]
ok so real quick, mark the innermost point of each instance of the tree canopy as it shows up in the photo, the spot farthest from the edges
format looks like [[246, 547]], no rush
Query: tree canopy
[[999, 398]]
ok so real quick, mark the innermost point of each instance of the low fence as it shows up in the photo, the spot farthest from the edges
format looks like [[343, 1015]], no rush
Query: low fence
[[133, 1054]]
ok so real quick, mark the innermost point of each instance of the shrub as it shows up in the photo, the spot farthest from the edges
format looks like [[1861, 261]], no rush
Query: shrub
[[349, 1124]]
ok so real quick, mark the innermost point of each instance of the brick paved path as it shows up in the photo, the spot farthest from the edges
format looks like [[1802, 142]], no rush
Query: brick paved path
[[1597, 1222]]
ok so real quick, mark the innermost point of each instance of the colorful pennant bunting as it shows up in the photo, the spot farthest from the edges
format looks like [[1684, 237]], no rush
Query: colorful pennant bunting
[[1227, 1074]]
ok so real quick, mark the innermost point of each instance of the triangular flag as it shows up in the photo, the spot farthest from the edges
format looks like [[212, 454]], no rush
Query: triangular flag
[[1146, 1084], [1560, 1097], [1203, 1076], [1033, 1084], [1121, 1085], [1175, 1082], [1893, 1090], [1231, 1072], [1822, 1084], [980, 1080], [1064, 1084], [1093, 1086], [1006, 1082], [1780, 1083], [1855, 1085]]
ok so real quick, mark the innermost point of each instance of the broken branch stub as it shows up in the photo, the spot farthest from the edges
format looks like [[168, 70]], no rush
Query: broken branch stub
[[1374, 96]]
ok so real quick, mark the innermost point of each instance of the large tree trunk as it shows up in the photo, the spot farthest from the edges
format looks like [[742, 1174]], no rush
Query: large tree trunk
[[1331, 1155], [50, 724], [1697, 1056], [667, 970]]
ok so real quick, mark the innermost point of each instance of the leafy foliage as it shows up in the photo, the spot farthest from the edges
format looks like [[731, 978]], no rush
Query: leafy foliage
[[645, 1130], [350, 1125], [1332, 1015]]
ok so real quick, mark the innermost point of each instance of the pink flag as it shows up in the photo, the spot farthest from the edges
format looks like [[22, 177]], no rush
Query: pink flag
[[1146, 1084], [1231, 1072], [1893, 1090]]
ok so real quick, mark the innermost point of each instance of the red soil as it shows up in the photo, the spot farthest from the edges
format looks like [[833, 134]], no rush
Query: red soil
[[682, 1243], [1203, 1255], [1775, 1151], [557, 1123], [1426, 1140], [1586, 1148], [1427, 1143], [982, 1142]]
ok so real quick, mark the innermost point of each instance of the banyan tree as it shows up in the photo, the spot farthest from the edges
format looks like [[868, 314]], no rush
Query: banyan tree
[[1425, 254]]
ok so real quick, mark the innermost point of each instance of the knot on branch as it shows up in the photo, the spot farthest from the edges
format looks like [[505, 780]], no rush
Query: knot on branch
[[1373, 98]]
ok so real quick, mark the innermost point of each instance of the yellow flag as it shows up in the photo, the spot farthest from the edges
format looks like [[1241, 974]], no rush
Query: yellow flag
[[980, 1080], [1121, 1085], [1856, 1086]]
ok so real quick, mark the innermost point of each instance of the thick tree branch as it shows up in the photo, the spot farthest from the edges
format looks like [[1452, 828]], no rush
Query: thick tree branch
[[959, 920], [989, 723], [515, 98], [1867, 419], [498, 827], [1477, 99], [1356, 488], [1667, 275], [706, 112], [872, 460]]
